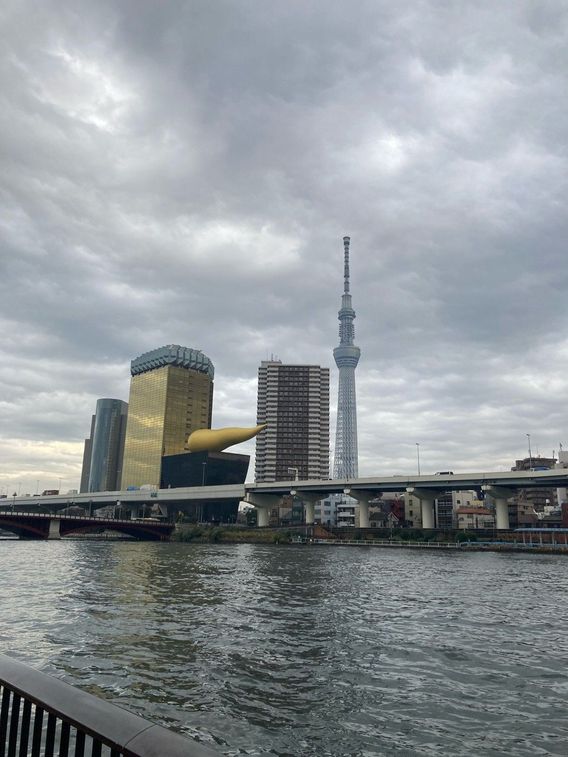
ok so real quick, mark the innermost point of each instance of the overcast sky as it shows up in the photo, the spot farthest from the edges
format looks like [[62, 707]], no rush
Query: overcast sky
[[184, 172]]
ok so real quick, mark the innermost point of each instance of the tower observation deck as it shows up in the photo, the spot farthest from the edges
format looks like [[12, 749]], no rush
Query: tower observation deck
[[346, 357]]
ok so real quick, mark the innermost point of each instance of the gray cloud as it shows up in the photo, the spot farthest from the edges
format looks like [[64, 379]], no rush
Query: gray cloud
[[184, 172]]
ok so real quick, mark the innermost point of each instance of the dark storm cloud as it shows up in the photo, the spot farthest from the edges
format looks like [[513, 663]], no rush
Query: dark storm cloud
[[184, 172]]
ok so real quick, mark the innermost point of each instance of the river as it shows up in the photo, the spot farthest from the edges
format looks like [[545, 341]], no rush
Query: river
[[303, 650]]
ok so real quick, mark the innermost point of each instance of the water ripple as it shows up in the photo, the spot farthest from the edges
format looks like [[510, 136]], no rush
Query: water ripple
[[303, 650]]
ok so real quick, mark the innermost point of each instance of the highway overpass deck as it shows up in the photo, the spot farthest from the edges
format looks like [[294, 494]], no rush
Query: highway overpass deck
[[458, 482]]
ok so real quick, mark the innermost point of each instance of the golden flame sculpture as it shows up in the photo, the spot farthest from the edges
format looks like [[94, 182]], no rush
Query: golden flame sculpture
[[216, 440]]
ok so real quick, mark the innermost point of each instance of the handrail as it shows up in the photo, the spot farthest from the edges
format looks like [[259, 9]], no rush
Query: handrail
[[501, 545], [387, 543], [75, 719]]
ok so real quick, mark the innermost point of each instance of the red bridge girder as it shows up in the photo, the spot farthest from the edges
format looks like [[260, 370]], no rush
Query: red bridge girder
[[38, 526]]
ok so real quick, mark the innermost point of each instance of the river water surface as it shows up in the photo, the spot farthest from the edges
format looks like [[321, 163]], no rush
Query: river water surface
[[303, 650]]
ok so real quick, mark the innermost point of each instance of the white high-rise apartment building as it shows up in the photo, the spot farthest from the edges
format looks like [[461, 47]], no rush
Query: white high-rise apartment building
[[294, 401], [562, 493]]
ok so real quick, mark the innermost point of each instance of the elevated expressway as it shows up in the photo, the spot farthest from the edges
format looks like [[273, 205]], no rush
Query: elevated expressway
[[500, 486]]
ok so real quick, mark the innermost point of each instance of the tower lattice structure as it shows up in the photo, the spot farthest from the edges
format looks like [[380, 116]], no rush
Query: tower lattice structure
[[346, 357]]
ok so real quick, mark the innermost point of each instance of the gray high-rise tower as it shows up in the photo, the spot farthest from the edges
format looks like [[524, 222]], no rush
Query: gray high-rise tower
[[108, 445], [294, 401], [102, 460], [346, 356]]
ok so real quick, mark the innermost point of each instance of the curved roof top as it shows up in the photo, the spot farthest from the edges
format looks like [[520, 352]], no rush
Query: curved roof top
[[173, 354]]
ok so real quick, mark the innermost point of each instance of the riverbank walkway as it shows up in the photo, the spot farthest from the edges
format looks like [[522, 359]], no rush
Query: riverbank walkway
[[469, 546]]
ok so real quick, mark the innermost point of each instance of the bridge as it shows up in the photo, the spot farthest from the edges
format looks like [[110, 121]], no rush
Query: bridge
[[54, 526], [499, 485]]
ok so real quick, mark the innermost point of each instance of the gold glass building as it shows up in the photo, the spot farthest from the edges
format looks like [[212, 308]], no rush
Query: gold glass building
[[171, 395]]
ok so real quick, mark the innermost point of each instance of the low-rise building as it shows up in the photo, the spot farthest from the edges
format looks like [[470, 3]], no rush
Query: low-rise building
[[521, 513], [289, 512], [539, 496], [325, 511], [445, 508], [387, 511], [347, 513], [562, 492], [412, 511], [474, 518]]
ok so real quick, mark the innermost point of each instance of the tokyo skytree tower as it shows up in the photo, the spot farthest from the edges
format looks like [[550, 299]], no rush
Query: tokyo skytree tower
[[345, 464]]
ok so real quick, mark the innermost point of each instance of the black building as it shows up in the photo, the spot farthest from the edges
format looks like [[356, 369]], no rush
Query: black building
[[206, 469]]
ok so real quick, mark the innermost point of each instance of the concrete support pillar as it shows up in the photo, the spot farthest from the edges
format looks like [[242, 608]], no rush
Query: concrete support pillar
[[362, 498], [263, 503], [427, 498], [135, 510], [500, 494], [501, 514], [309, 501], [54, 532], [310, 510], [262, 517], [427, 507]]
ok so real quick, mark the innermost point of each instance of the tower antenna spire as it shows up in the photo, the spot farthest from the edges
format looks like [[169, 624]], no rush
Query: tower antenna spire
[[346, 243], [346, 357]]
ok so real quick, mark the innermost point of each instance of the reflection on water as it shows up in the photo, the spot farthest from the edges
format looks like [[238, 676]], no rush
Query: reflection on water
[[303, 650]]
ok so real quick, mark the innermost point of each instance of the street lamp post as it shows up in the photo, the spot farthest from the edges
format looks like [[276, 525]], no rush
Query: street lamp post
[[530, 453], [418, 455], [295, 471]]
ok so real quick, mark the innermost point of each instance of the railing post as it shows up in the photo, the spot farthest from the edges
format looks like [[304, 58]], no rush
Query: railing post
[[14, 723]]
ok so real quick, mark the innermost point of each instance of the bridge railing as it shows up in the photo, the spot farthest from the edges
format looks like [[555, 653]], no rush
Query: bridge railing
[[27, 513], [41, 715]]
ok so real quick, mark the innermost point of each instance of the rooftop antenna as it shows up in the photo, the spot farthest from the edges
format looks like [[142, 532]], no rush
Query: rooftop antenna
[[346, 241]]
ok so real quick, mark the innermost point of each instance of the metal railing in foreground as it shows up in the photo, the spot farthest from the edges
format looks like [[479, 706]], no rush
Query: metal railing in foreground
[[43, 716]]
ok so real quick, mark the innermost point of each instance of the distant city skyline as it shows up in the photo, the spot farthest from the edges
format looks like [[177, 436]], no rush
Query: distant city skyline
[[167, 181]]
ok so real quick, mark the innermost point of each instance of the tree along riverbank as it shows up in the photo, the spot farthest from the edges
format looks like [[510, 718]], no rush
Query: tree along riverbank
[[205, 533], [402, 538], [235, 535]]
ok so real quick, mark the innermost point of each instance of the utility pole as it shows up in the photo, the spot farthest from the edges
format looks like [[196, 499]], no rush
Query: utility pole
[[530, 453], [418, 455]]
